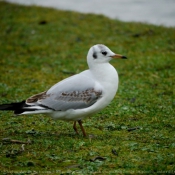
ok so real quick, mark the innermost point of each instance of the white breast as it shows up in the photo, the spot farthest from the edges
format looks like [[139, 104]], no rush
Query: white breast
[[107, 79]]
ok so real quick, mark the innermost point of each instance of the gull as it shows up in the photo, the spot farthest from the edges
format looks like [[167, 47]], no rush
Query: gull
[[78, 96]]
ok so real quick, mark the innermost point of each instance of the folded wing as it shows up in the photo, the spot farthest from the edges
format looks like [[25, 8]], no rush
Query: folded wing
[[76, 92]]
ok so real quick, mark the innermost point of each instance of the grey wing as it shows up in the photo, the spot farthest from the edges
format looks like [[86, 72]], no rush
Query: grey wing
[[76, 92]]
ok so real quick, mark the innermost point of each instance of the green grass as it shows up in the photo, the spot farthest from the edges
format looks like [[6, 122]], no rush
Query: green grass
[[41, 46]]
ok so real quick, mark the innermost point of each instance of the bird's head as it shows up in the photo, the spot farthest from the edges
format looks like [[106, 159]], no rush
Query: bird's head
[[101, 54]]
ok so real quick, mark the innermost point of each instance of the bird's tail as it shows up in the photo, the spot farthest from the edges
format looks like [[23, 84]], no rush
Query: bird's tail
[[16, 107], [23, 108]]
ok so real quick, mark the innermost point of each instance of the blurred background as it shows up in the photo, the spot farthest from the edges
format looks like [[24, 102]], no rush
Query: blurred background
[[159, 12]]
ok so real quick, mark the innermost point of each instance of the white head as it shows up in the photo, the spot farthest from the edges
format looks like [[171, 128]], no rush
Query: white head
[[101, 54]]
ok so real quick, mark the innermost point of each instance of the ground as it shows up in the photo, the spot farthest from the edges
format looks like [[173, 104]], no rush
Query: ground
[[134, 134]]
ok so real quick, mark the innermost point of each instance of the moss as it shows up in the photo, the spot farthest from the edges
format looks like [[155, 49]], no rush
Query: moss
[[41, 46]]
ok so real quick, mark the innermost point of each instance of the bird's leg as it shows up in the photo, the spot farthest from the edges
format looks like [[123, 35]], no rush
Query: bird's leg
[[81, 126], [75, 128]]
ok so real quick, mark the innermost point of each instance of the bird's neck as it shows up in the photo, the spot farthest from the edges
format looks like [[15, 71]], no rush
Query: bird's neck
[[105, 72]]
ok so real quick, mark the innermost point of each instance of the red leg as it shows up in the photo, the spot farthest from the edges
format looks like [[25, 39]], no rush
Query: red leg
[[75, 128], [82, 129]]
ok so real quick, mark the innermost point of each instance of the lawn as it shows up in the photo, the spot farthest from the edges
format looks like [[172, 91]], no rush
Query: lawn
[[134, 134]]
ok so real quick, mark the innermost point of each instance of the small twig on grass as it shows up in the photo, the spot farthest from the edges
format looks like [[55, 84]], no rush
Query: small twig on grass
[[97, 158], [73, 166], [22, 148], [132, 129], [8, 140]]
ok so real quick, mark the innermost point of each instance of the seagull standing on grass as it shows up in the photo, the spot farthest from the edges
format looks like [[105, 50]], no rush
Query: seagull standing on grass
[[78, 96]]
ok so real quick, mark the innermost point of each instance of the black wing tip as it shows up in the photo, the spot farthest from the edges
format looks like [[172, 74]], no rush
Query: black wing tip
[[16, 107], [124, 57]]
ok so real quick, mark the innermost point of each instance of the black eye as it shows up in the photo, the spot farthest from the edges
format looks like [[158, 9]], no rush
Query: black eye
[[104, 53]]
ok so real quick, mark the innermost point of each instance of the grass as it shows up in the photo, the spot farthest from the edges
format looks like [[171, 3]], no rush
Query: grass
[[134, 134]]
